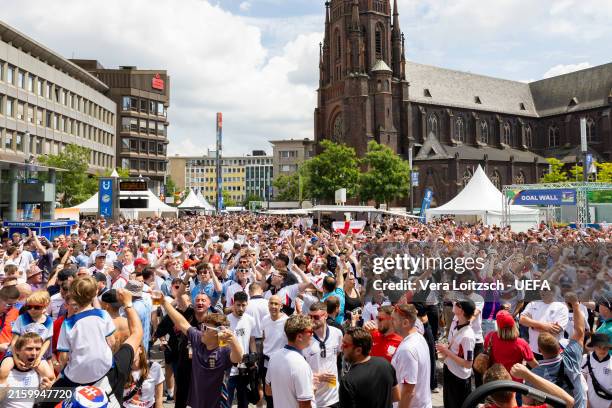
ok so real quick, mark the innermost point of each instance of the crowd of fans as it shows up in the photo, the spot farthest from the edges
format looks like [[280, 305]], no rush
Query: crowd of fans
[[276, 311]]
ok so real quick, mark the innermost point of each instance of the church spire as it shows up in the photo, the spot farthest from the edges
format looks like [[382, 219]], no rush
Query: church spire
[[326, 48], [355, 16], [396, 43], [356, 60]]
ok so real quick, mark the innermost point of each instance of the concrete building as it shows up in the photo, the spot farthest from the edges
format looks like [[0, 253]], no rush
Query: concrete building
[[289, 154], [47, 103], [142, 98], [242, 175]]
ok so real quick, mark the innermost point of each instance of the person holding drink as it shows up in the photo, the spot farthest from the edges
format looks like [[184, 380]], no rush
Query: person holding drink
[[210, 360], [322, 354]]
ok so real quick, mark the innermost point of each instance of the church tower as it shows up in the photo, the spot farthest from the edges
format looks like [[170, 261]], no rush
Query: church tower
[[363, 94]]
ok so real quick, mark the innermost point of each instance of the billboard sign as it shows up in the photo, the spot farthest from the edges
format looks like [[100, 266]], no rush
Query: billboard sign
[[561, 196], [106, 197], [157, 82]]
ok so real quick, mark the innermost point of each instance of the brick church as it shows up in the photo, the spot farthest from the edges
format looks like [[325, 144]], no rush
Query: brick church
[[452, 120]]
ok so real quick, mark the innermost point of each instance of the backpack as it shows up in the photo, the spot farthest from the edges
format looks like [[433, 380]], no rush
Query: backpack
[[599, 390]]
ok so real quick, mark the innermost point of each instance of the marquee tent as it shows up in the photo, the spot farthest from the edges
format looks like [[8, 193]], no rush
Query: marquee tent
[[206, 204], [480, 199], [192, 202], [155, 206]]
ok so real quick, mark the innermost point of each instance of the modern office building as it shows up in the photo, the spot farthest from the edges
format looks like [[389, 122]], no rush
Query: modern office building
[[242, 175], [47, 103], [142, 98], [289, 154]]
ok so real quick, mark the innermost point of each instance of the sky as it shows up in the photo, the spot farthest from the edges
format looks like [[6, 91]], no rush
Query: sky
[[257, 60]]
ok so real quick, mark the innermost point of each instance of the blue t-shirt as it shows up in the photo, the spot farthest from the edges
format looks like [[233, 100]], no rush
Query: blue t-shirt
[[572, 358], [208, 288], [144, 308], [339, 293]]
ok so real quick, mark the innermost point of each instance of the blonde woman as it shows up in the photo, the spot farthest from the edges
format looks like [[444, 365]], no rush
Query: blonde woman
[[145, 386]]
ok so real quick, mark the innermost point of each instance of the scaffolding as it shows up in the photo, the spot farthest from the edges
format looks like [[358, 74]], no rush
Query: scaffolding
[[582, 205]]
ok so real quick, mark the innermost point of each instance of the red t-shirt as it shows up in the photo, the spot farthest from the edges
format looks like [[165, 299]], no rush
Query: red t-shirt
[[384, 345], [6, 326], [508, 352]]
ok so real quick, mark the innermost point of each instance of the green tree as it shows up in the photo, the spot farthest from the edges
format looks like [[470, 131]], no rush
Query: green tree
[[604, 172], [387, 177], [287, 186], [170, 186], [73, 185], [336, 167], [227, 200], [555, 173], [251, 197], [123, 173], [576, 173]]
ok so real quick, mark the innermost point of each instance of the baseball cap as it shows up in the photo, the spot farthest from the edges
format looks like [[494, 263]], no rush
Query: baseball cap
[[135, 288], [140, 261], [100, 255], [86, 397], [504, 319], [99, 276], [189, 263], [605, 299], [468, 306], [118, 265]]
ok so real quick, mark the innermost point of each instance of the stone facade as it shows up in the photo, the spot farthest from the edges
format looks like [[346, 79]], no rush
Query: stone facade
[[453, 121]]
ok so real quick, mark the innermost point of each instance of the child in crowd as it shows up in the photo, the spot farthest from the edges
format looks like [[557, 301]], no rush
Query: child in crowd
[[34, 320], [85, 339]]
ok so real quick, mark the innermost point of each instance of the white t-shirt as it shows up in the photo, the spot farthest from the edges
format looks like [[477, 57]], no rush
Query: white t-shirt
[[55, 305], [146, 397], [325, 395], [477, 320], [554, 312], [569, 330], [462, 344], [20, 379], [243, 330], [412, 366], [274, 334], [83, 336], [603, 373], [232, 290], [257, 309], [290, 377], [111, 256]]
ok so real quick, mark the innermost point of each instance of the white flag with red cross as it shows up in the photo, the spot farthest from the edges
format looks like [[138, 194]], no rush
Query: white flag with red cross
[[343, 227]]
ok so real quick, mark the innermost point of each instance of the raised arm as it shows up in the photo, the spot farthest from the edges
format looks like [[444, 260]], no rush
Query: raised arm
[[520, 371], [178, 319], [134, 325]]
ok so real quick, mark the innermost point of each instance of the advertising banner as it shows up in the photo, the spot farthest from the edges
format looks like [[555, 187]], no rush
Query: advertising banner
[[559, 196], [426, 203], [106, 197]]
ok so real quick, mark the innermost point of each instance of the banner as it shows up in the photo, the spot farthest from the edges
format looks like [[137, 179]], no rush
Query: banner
[[343, 227], [426, 203], [545, 197], [106, 197]]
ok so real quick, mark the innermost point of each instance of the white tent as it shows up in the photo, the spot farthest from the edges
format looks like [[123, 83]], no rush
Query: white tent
[[481, 199], [155, 206], [206, 204], [192, 202]]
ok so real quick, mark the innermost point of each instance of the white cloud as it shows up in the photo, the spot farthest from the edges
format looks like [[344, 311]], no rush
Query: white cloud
[[245, 6], [565, 69]]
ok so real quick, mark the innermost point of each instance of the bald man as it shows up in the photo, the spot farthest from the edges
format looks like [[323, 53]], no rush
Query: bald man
[[274, 338]]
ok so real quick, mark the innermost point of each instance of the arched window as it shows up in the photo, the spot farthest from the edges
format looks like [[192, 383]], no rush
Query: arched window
[[338, 128], [467, 175], [338, 45], [496, 179], [432, 125], [553, 136], [528, 136], [379, 38], [506, 133], [591, 131], [519, 178], [459, 129], [484, 131]]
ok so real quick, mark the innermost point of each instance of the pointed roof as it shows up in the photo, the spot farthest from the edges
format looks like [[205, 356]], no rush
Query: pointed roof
[[191, 201], [381, 66], [205, 203], [478, 197]]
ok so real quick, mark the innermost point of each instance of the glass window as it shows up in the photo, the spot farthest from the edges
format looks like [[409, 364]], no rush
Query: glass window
[[38, 145], [55, 123], [1, 70], [70, 99], [160, 109], [20, 110], [9, 107], [143, 126], [39, 87], [133, 104], [49, 90], [152, 147], [30, 114], [152, 107], [63, 97], [133, 125], [8, 140], [49, 118], [30, 83], [143, 146], [134, 145], [19, 142], [143, 105], [143, 165], [125, 163], [10, 75], [162, 166], [58, 92], [62, 123], [1, 104], [125, 124], [152, 165], [125, 144], [151, 127], [21, 79], [160, 148], [65, 123], [40, 114]]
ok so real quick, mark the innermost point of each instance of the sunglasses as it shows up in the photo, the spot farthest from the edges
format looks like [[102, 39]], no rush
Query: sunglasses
[[36, 307], [323, 349], [308, 331], [382, 318], [205, 327], [315, 316]]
